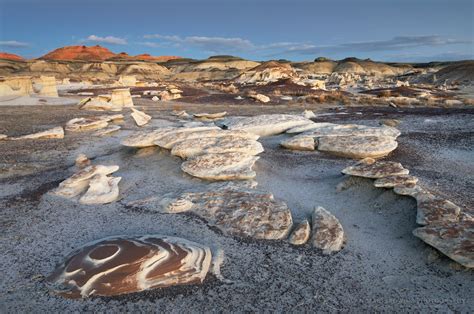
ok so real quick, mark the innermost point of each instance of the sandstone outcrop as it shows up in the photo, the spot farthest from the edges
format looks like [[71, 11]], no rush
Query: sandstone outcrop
[[48, 86], [454, 239], [432, 209], [328, 234], [57, 132], [210, 116], [140, 117], [145, 138], [300, 234], [357, 146], [127, 80], [121, 97], [266, 125], [227, 166], [120, 265], [102, 190], [395, 180], [216, 145], [266, 73], [260, 97], [375, 170], [107, 130], [16, 85], [236, 210], [85, 124]]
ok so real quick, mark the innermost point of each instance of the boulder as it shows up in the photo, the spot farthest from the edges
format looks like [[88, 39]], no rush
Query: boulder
[[216, 145], [227, 166], [357, 146], [396, 180], [121, 97], [57, 132], [128, 264], [454, 239], [328, 234], [300, 234], [260, 97], [140, 117], [266, 125], [102, 190], [236, 210], [375, 170], [79, 182], [434, 209], [145, 138]]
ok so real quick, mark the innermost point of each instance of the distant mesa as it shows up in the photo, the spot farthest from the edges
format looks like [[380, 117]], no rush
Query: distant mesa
[[10, 56], [98, 53]]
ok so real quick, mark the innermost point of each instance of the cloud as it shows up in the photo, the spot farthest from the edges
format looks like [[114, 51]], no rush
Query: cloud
[[106, 40], [13, 44], [150, 44], [394, 44]]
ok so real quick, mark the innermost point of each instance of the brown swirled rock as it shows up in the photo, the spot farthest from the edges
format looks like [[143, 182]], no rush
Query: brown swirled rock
[[328, 234], [376, 170], [236, 209], [432, 209], [227, 166], [396, 180], [300, 233], [216, 145], [454, 239], [121, 265]]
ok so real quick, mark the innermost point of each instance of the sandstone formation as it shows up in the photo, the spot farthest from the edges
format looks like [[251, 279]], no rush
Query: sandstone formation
[[216, 145], [266, 125], [57, 132], [328, 234], [82, 161], [107, 130], [79, 182], [16, 85], [395, 180], [3, 137], [237, 210], [266, 73], [85, 124], [79, 53], [300, 233], [99, 103], [227, 166], [140, 117], [121, 97], [120, 265], [433, 209], [260, 97], [210, 116], [102, 190], [10, 56], [127, 80], [145, 138], [375, 170], [48, 86], [357, 146], [454, 239]]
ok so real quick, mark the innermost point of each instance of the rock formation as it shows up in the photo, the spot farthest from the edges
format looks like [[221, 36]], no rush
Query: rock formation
[[120, 265], [266, 73], [433, 209], [375, 170], [357, 146], [265, 125], [301, 233], [236, 210], [210, 116], [107, 130], [395, 180], [227, 166], [48, 86], [328, 234], [121, 97], [260, 97], [127, 80], [57, 132], [92, 123], [102, 190], [82, 161], [140, 117], [16, 85]]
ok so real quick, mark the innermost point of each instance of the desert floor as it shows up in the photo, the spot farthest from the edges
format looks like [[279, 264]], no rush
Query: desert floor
[[383, 267]]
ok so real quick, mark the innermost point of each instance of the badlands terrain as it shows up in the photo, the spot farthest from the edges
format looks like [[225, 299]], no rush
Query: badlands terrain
[[142, 183]]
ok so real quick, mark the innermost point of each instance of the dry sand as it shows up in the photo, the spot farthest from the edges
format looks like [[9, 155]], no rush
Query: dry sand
[[383, 267]]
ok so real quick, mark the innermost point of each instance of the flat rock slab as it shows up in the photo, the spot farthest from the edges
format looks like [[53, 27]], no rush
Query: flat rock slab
[[376, 170], [216, 145], [301, 233], [299, 143], [357, 146], [102, 190], [108, 130], [210, 116], [85, 124], [145, 138], [396, 180], [328, 234], [140, 117], [432, 209], [121, 265], [228, 166], [266, 125], [454, 239], [237, 210], [54, 133]]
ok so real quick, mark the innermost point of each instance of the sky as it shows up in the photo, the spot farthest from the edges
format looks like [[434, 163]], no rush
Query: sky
[[384, 30]]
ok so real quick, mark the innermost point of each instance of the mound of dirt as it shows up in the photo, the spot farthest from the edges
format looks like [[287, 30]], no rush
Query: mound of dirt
[[10, 56], [462, 72], [79, 53]]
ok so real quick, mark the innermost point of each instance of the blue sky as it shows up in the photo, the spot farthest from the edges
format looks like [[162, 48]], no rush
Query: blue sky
[[388, 30]]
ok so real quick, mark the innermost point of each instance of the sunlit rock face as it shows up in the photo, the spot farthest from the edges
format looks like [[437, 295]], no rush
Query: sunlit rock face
[[227, 166], [121, 97], [48, 86], [121, 265], [454, 239], [236, 209], [266, 125]]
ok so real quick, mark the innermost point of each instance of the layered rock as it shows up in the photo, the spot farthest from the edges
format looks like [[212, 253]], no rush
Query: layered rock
[[16, 85], [57, 133], [395, 180], [328, 234], [266, 125], [92, 123], [357, 146], [227, 166], [454, 239], [210, 116], [266, 73], [375, 170], [236, 210], [140, 117], [121, 97], [99, 103], [48, 86], [127, 80], [120, 265], [300, 234]]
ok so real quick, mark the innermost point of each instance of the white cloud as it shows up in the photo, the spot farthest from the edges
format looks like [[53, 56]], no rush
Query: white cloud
[[13, 44], [209, 44], [106, 40]]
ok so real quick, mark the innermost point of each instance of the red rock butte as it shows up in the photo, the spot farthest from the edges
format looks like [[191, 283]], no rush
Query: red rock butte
[[10, 56], [98, 53]]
